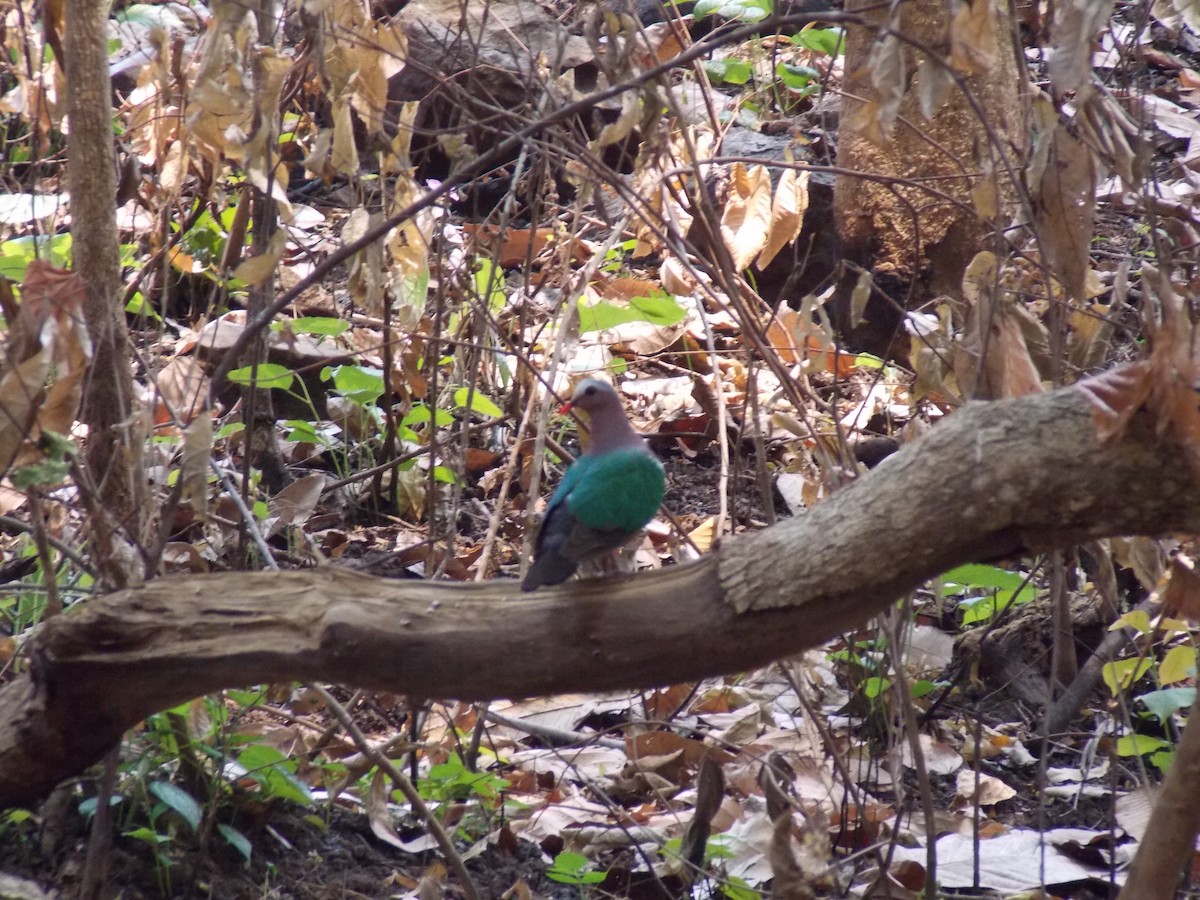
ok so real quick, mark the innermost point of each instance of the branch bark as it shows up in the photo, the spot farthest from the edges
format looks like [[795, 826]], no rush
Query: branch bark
[[994, 480]]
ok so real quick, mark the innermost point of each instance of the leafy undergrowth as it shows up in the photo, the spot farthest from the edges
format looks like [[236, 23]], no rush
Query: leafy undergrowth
[[412, 392]]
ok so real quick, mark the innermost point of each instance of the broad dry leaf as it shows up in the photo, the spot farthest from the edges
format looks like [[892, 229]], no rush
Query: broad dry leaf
[[1182, 595], [991, 790], [1174, 371], [787, 214], [184, 387], [632, 110], [379, 817], [365, 283], [257, 269], [1076, 23], [1114, 396], [20, 393], [933, 84], [1009, 367], [747, 215], [973, 37], [195, 465], [889, 78], [296, 502], [343, 153], [1065, 211]]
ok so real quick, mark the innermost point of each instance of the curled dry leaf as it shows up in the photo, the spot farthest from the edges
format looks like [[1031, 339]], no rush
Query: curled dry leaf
[[787, 214], [50, 339], [194, 468], [1076, 23], [1066, 209], [747, 215], [1182, 595], [973, 37]]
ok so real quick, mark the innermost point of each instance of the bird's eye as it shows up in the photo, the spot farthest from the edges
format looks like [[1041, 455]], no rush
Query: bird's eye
[[591, 391]]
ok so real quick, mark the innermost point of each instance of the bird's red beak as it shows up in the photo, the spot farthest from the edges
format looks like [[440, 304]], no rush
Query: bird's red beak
[[565, 408]]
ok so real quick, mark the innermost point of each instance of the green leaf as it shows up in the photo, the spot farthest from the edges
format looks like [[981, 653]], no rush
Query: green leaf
[[47, 473], [660, 310], [303, 432], [17, 254], [1139, 745], [1120, 674], [270, 376], [236, 839], [179, 800], [361, 384], [874, 686], [923, 688], [489, 284], [1165, 703], [479, 403], [419, 415], [273, 771], [568, 868], [737, 889], [974, 575], [798, 78], [149, 835], [413, 290], [326, 326], [138, 306], [728, 71], [829, 41], [1163, 760], [444, 475], [745, 10]]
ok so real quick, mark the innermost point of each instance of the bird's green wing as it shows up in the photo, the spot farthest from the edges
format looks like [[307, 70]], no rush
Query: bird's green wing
[[618, 491]]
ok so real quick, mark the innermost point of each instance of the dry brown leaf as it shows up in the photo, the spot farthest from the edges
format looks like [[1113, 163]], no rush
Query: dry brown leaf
[[991, 790], [1076, 24], [296, 502], [889, 79], [787, 214], [710, 789], [1065, 211], [1182, 595], [934, 83], [1115, 395], [973, 37], [184, 386], [50, 329], [194, 467], [747, 215], [257, 269], [1010, 369], [511, 247], [379, 817]]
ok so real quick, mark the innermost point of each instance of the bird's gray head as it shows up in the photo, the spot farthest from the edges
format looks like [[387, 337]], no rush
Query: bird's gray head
[[607, 425], [592, 394]]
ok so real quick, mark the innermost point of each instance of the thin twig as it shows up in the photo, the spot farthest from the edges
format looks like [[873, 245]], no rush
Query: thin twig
[[247, 516], [10, 524], [405, 787]]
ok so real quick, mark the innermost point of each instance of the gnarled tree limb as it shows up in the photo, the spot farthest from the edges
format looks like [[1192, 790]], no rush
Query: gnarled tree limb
[[996, 479]]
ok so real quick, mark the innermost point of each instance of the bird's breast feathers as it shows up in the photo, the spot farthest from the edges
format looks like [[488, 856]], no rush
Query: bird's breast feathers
[[617, 491]]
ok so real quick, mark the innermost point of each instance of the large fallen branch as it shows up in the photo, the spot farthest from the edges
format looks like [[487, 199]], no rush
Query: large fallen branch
[[994, 480]]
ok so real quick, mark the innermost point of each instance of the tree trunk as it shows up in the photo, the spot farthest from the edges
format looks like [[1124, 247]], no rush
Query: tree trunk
[[995, 480], [918, 227], [113, 450]]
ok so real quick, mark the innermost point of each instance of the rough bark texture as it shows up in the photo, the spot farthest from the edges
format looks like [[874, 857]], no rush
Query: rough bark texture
[[995, 479], [895, 227], [113, 449]]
